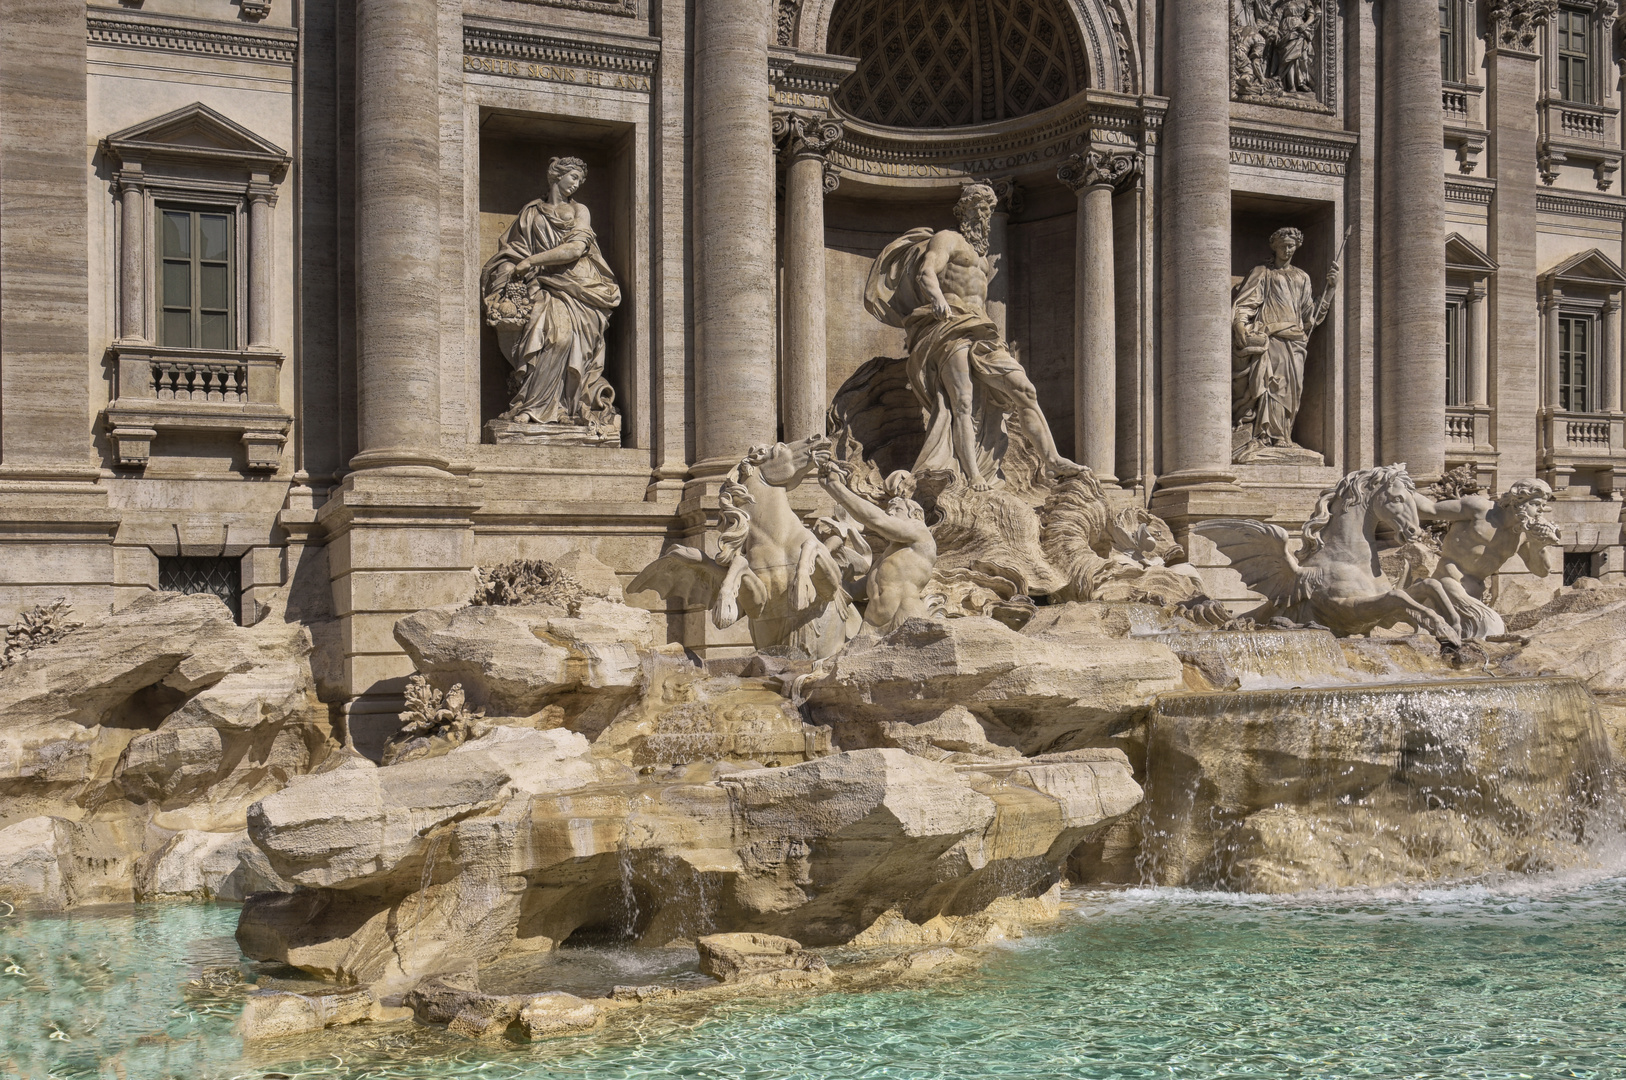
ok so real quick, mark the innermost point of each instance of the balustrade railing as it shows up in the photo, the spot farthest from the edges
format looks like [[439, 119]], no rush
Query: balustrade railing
[[1587, 433], [1581, 125], [187, 380], [1456, 105], [1459, 428]]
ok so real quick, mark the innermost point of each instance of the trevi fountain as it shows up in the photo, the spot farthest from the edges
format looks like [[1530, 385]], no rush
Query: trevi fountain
[[928, 734]]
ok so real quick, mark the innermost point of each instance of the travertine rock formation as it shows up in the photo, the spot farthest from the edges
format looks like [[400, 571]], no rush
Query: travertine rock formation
[[130, 750], [520, 839]]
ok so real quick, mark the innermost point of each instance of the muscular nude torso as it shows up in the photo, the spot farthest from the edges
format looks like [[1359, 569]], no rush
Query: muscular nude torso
[[1475, 549], [965, 274], [895, 583]]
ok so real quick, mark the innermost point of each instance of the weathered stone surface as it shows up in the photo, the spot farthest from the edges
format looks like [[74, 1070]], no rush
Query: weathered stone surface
[[1279, 791], [1030, 689], [520, 661], [550, 1015], [206, 865], [816, 849], [277, 1014], [732, 957], [163, 718], [30, 864]]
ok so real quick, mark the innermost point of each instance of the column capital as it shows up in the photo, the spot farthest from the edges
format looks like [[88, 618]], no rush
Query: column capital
[[1099, 169], [832, 178], [799, 135], [1611, 304], [1006, 190], [1515, 24]]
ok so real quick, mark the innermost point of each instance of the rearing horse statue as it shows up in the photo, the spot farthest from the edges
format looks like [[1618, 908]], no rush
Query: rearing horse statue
[[770, 568], [1335, 580]]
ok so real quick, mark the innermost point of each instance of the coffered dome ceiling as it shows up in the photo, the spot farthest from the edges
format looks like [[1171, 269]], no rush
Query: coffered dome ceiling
[[951, 63]]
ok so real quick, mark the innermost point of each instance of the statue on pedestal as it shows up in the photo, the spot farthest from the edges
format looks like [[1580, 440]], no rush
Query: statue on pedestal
[[548, 294], [934, 285], [1272, 319]]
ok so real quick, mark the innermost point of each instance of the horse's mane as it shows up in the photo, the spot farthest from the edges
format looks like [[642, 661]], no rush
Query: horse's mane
[[1354, 490], [734, 523]]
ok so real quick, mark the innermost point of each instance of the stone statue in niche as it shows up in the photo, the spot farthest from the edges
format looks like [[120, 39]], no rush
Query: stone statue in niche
[[1273, 50], [934, 285], [548, 295], [1272, 318]]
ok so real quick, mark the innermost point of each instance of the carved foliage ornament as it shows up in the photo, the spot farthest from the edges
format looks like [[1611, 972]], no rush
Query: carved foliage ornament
[[786, 14], [799, 135], [1517, 22], [1097, 169]]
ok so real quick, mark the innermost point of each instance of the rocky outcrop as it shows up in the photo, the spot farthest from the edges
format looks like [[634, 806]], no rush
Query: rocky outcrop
[[1065, 680], [574, 667], [1287, 790], [522, 839], [131, 749]]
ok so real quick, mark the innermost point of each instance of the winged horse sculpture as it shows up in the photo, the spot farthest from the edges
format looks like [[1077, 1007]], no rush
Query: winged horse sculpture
[[1335, 579], [770, 568]]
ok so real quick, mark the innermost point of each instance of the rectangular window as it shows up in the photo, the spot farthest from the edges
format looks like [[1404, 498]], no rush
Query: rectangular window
[[1577, 565], [1454, 385], [1575, 353], [220, 577], [195, 279], [1450, 67], [1574, 55]]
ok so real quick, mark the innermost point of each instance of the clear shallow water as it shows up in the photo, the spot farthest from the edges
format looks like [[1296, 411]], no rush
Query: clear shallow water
[[1525, 982]]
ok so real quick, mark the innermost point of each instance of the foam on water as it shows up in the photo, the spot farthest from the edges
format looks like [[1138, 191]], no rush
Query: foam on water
[[1524, 977]]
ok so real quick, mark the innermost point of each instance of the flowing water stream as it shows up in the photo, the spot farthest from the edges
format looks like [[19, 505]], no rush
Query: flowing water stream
[[1526, 978]]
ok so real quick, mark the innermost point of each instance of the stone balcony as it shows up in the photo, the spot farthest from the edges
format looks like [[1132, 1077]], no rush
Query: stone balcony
[[1586, 446], [1578, 134], [197, 390]]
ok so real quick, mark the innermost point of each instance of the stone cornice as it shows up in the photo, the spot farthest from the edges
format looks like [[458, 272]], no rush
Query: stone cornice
[[806, 80], [117, 29], [1291, 150], [1038, 142], [1582, 204], [624, 8], [526, 51]]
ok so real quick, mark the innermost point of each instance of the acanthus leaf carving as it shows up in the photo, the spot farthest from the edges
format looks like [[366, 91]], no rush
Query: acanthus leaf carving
[[1518, 22], [1099, 169], [800, 135]]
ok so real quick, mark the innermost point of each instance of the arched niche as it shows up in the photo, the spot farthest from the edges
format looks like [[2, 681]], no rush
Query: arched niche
[[1104, 30]]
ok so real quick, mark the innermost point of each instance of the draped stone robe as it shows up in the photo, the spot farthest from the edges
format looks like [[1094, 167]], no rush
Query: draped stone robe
[[1271, 321], [559, 355]]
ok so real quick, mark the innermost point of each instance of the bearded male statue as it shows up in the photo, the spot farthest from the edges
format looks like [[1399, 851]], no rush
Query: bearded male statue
[[934, 285], [1483, 534]]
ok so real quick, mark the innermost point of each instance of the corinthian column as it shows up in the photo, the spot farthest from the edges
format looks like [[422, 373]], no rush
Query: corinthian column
[[803, 141], [398, 233], [1196, 230], [1411, 370], [734, 263], [1094, 177]]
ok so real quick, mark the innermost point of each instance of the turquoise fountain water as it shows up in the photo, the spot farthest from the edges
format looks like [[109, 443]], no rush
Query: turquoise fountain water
[[1525, 979]]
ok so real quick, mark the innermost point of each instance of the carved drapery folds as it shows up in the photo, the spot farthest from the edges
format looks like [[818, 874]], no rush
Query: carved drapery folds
[[1110, 169], [1281, 52], [1517, 23]]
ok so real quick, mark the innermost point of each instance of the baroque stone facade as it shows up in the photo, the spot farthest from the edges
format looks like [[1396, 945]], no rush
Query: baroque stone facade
[[246, 341]]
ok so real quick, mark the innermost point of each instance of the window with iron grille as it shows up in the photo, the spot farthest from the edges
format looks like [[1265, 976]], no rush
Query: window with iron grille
[[1577, 565], [1575, 349], [195, 279], [1574, 54], [201, 574]]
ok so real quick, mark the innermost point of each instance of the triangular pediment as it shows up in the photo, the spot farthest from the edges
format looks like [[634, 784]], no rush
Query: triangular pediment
[[196, 132], [1462, 255], [1587, 268]]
